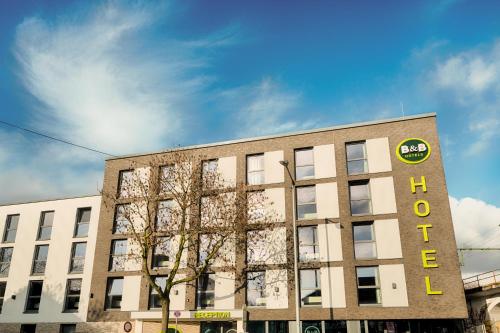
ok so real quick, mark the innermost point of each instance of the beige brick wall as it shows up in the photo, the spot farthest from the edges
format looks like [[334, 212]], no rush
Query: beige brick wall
[[101, 327], [154, 327]]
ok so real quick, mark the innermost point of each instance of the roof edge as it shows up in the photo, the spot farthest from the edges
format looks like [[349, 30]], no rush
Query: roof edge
[[47, 200], [272, 136]]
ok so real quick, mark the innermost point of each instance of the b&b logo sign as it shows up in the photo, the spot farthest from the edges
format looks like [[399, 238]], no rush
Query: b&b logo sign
[[413, 150]]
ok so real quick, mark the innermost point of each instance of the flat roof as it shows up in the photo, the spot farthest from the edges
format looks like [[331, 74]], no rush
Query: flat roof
[[264, 137], [48, 200]]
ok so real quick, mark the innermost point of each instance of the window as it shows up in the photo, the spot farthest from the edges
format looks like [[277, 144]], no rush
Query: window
[[28, 328], [255, 169], [114, 291], [45, 228], [255, 326], [310, 287], [154, 299], [206, 291], [121, 222], [161, 253], [356, 158], [77, 257], [257, 247], [40, 259], [82, 222], [5, 259], [311, 326], [125, 183], [368, 285], [166, 178], [210, 167], [278, 326], [255, 207], [72, 300], [304, 164], [34, 296], [9, 235], [306, 202], [364, 241], [118, 255], [164, 214], [308, 243], [256, 289], [68, 328], [3, 285], [337, 326], [360, 198]]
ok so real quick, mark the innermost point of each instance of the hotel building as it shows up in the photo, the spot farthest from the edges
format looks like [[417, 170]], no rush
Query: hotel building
[[376, 248]]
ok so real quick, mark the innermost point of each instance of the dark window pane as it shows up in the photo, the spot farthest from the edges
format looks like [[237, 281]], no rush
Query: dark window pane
[[34, 295], [114, 293], [361, 207], [28, 328], [255, 327], [82, 230], [278, 326], [311, 326], [84, 215], [68, 328], [368, 296], [335, 326]]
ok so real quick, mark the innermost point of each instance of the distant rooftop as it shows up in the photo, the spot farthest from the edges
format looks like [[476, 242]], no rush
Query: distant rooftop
[[317, 130]]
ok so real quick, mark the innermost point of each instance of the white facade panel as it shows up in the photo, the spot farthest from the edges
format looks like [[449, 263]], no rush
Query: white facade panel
[[273, 171], [276, 289], [388, 239], [379, 156], [327, 200], [332, 287], [58, 259], [227, 168], [382, 194], [324, 161], [330, 244], [275, 203], [131, 293], [393, 285], [224, 290], [178, 295]]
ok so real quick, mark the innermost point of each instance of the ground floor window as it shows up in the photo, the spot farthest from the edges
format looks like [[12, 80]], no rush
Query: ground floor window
[[311, 326], [28, 328], [68, 328], [278, 326], [217, 327], [335, 326]]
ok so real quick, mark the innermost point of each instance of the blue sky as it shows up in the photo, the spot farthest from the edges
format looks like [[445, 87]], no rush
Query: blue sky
[[127, 77]]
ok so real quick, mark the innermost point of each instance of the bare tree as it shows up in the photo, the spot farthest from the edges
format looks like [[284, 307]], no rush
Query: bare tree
[[183, 217]]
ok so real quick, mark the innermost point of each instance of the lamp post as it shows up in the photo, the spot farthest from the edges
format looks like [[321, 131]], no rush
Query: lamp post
[[284, 163]]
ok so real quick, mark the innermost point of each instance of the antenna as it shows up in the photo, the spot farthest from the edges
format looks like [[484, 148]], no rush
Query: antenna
[[402, 109]]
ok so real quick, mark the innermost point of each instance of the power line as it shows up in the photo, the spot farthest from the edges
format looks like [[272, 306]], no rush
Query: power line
[[56, 139]]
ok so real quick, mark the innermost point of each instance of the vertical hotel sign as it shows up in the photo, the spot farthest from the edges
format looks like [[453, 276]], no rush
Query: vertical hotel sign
[[414, 151]]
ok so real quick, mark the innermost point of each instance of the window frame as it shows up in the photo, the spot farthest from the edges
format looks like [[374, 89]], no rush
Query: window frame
[[112, 255], [158, 209], [120, 182], [41, 226], [260, 171], [63, 326], [315, 202], [261, 291], [314, 245], [36, 261], [203, 293], [317, 277], [29, 297], [358, 183], [256, 213], [2, 255], [67, 296], [78, 223], [155, 254], [377, 287], [152, 293], [297, 166], [365, 157], [117, 207], [8, 227], [3, 287], [73, 258], [373, 241], [108, 301]]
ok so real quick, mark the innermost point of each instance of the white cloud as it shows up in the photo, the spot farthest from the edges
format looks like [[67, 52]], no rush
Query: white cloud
[[476, 225], [99, 80], [110, 77], [265, 107]]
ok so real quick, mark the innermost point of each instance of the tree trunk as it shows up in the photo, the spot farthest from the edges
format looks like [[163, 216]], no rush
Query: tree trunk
[[165, 315]]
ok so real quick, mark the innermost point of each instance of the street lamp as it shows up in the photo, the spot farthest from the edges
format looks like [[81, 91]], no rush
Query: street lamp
[[284, 163]]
